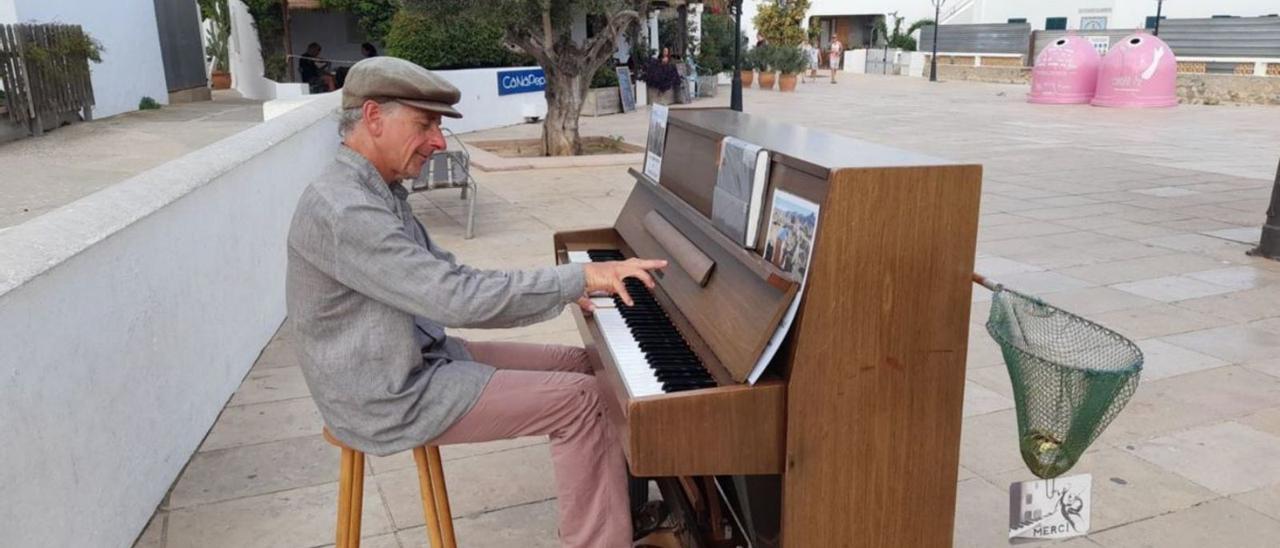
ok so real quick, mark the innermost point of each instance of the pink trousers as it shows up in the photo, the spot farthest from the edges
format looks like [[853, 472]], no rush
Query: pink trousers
[[549, 390]]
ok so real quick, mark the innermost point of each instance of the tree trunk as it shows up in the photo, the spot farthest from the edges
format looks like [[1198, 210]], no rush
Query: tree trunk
[[565, 96]]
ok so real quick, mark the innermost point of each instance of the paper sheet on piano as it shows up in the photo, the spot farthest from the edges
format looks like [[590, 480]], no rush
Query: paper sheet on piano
[[793, 222]]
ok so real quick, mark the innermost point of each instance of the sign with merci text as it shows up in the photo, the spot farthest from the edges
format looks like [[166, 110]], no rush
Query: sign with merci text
[[521, 81]]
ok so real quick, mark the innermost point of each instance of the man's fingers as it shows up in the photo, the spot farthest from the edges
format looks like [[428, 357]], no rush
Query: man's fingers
[[649, 264], [643, 276], [621, 289]]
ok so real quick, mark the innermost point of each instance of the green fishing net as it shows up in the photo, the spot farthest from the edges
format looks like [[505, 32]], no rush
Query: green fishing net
[[1070, 377]]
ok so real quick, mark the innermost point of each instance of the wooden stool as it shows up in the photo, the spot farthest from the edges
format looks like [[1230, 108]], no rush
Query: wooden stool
[[435, 498]]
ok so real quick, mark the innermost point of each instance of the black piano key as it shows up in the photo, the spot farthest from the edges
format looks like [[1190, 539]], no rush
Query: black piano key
[[674, 363]]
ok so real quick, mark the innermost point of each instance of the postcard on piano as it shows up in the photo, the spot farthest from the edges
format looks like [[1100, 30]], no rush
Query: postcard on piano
[[738, 197], [789, 240], [656, 142], [793, 223]]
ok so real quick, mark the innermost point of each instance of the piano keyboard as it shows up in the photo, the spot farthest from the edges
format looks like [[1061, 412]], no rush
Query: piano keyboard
[[652, 356]]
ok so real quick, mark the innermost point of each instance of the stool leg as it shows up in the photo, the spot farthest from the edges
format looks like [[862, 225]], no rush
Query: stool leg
[[442, 496], [471, 212], [428, 498], [344, 497], [357, 500]]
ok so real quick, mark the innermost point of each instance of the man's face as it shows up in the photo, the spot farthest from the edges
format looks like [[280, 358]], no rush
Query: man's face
[[408, 138]]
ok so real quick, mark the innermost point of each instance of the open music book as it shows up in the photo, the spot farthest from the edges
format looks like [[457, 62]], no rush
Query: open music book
[[793, 223], [738, 198]]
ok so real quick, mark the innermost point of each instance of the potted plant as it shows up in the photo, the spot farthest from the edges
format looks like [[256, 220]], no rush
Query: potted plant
[[766, 59], [661, 80], [748, 72], [709, 69], [604, 95], [219, 38], [790, 61]]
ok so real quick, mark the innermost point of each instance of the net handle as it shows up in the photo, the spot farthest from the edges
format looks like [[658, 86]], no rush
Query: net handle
[[986, 282]]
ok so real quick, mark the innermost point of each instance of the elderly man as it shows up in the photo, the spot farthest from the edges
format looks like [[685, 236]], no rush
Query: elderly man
[[370, 295]]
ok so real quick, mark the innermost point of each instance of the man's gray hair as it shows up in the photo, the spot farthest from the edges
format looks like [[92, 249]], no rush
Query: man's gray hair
[[349, 117]]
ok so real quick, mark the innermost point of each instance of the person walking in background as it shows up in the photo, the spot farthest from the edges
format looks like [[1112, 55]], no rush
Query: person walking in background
[[811, 53], [834, 55]]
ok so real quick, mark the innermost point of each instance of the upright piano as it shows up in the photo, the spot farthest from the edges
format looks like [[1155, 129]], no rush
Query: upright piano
[[852, 436]]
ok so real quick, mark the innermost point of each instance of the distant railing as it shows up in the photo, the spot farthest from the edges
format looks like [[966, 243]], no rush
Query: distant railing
[[44, 70]]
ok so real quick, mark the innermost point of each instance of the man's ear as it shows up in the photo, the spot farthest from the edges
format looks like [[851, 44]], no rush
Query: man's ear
[[373, 117]]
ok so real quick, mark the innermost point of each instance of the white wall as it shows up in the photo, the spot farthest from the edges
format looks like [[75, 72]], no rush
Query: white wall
[[482, 108], [130, 316], [246, 56], [8, 13], [1123, 14], [131, 65]]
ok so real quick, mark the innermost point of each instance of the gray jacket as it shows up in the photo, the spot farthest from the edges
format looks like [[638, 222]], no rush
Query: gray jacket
[[369, 294]]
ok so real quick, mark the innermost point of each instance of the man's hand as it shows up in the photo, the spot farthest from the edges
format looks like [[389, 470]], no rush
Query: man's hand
[[584, 302], [607, 276]]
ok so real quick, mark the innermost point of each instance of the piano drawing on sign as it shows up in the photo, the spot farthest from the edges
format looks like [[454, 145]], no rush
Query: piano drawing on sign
[[852, 435]]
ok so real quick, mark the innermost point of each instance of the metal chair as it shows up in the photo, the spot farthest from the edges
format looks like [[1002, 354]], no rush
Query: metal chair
[[451, 169]]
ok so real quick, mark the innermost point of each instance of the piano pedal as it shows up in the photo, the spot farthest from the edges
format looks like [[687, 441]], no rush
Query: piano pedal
[[661, 538], [650, 517]]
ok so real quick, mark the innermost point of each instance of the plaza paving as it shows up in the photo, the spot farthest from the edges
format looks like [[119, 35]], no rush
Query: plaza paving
[[1137, 219], [40, 174]]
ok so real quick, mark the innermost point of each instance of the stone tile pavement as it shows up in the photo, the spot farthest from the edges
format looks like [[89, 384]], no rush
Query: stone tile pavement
[[1137, 219], [40, 174]]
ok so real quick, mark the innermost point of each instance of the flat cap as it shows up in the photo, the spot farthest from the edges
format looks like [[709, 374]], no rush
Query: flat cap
[[382, 78]]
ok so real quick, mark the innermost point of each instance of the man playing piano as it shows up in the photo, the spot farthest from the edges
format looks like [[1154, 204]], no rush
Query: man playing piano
[[370, 294]]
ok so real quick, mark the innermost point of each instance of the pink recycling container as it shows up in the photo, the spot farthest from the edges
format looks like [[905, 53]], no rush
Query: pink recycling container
[[1139, 71], [1066, 72]]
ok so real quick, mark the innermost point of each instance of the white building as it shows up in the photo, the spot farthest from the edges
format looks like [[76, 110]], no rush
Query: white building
[[853, 19], [132, 65]]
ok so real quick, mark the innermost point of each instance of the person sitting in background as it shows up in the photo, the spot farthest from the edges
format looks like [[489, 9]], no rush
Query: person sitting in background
[[368, 50], [316, 74]]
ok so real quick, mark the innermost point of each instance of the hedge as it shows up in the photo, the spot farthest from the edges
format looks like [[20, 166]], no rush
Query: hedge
[[451, 42]]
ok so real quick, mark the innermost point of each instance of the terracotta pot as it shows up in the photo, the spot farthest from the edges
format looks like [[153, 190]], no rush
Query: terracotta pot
[[220, 80], [787, 82], [747, 77], [767, 78]]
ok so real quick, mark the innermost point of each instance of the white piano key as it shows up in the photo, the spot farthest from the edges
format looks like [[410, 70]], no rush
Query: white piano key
[[633, 368], [579, 257]]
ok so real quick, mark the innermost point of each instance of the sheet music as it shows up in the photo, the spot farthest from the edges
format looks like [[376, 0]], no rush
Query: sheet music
[[793, 223], [738, 197], [656, 142]]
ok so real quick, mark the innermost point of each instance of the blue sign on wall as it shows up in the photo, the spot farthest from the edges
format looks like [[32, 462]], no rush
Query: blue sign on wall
[[521, 81]]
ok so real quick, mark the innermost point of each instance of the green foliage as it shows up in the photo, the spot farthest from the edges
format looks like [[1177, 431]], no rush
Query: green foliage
[[765, 58], [218, 36], [605, 77], [373, 16], [454, 41], [751, 59], [779, 21], [717, 43], [268, 22], [75, 46], [789, 59], [148, 103]]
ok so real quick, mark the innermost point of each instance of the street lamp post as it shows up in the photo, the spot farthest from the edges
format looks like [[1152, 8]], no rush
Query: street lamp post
[[735, 89], [1159, 8], [933, 59]]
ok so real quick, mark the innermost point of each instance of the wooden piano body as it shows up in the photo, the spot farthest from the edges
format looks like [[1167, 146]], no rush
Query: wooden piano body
[[852, 438]]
